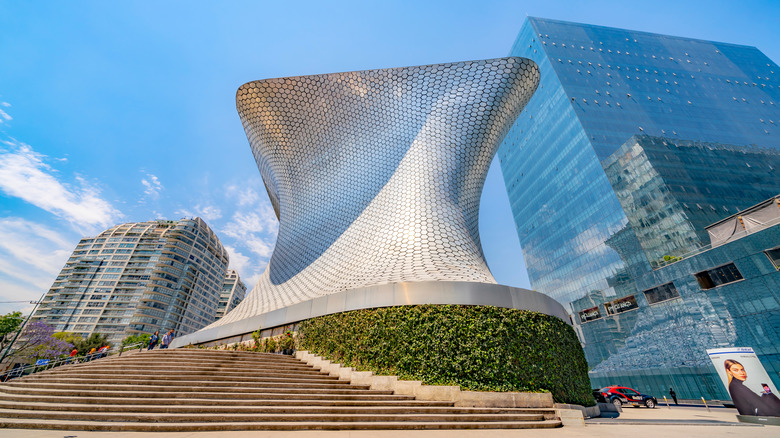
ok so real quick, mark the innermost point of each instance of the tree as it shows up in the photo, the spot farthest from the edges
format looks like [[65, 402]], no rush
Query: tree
[[73, 338], [37, 341], [142, 338], [9, 324], [95, 340]]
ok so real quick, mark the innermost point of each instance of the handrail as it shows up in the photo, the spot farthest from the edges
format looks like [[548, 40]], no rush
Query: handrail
[[54, 363], [124, 348]]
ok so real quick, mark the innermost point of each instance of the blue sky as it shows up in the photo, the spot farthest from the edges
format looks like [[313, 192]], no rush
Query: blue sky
[[113, 113]]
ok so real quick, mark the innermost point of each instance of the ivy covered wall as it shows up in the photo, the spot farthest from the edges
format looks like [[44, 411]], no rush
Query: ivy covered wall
[[480, 348]]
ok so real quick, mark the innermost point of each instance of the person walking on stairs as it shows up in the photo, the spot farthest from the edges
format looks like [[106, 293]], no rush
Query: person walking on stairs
[[167, 338], [153, 340]]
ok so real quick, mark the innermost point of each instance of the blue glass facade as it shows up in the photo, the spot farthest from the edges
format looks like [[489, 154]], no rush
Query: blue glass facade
[[632, 144], [666, 341], [670, 190]]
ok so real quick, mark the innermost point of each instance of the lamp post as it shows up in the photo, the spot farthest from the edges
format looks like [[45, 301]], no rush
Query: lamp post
[[5, 353]]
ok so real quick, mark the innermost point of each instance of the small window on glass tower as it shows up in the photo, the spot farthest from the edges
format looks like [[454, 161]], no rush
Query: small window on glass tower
[[774, 256], [661, 293], [718, 276]]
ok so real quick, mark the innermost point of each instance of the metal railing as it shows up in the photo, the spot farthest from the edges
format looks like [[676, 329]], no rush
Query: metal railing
[[47, 364]]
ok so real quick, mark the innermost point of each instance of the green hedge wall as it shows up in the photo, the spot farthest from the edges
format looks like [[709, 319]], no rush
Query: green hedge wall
[[480, 348]]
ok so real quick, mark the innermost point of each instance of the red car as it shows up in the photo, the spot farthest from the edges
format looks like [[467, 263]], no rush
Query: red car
[[621, 395]]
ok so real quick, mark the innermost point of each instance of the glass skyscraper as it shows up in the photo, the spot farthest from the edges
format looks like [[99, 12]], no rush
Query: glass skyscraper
[[632, 144]]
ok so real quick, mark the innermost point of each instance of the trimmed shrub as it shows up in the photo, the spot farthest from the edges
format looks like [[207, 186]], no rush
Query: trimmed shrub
[[479, 348]]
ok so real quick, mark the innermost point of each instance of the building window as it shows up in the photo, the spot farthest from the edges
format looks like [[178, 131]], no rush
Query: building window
[[660, 293], [774, 256], [588, 314], [718, 276], [621, 305]]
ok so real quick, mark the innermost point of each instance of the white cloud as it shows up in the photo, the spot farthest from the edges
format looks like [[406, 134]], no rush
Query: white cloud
[[244, 195], [32, 245], [238, 261], [31, 256], [259, 220], [209, 213], [252, 228], [25, 175], [261, 247], [183, 212], [152, 185], [247, 269], [16, 292], [4, 116]]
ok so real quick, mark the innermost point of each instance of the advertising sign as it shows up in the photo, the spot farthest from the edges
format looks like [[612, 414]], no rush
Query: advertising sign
[[590, 314], [746, 381], [621, 305]]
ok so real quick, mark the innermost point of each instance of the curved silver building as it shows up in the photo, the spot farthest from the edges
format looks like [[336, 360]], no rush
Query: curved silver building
[[376, 175]]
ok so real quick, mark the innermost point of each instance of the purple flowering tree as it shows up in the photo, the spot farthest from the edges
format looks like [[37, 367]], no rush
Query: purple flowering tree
[[37, 342]]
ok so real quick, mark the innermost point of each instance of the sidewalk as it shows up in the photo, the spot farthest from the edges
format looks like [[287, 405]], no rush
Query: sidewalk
[[589, 431], [683, 414], [679, 421]]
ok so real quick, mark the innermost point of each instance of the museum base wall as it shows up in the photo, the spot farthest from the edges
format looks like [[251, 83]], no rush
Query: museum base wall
[[479, 348], [383, 295]]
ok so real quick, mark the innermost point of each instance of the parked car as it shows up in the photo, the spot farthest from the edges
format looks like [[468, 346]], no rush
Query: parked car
[[621, 395]]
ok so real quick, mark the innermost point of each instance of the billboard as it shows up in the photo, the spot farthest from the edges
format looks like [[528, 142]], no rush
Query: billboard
[[590, 314], [621, 305], [746, 380]]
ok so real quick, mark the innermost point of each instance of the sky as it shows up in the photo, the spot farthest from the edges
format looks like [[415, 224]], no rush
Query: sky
[[114, 112]]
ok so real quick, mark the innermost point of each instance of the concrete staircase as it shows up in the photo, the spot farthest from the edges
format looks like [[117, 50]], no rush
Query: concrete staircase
[[206, 390]]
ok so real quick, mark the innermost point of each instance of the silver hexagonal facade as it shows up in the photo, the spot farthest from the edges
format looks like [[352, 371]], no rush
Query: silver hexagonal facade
[[376, 175]]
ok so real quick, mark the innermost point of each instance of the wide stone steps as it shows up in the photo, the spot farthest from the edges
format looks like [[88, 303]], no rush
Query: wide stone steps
[[20, 400], [302, 408], [212, 355], [194, 390], [199, 365], [203, 417], [130, 379], [208, 357], [245, 356], [146, 371], [283, 394], [76, 383], [303, 425]]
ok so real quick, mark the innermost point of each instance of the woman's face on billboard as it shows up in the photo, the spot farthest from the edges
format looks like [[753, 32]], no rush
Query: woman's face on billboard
[[738, 371]]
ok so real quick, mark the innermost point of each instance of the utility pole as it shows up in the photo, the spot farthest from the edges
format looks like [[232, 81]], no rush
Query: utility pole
[[21, 327]]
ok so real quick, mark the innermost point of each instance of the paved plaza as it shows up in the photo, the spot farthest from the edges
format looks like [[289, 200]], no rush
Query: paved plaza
[[679, 421]]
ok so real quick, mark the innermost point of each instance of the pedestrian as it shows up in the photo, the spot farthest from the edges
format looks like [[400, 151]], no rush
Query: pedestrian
[[104, 351], [153, 340], [167, 338], [674, 395], [72, 355], [90, 354]]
